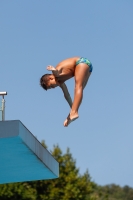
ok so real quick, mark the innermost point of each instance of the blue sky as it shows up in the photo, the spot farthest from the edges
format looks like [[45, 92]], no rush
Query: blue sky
[[34, 34]]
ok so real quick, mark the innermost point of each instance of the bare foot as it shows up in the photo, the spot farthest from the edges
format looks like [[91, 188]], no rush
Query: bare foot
[[70, 119]]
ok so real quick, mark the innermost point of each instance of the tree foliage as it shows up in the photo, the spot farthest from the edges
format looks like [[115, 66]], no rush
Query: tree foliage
[[71, 185], [115, 192]]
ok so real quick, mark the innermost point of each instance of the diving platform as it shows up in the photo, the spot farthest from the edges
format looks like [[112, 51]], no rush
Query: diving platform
[[22, 156]]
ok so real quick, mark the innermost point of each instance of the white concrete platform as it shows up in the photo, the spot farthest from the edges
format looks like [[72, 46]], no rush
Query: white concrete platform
[[22, 156]]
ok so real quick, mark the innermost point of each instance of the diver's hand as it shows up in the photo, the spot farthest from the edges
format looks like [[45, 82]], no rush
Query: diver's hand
[[54, 71], [50, 68]]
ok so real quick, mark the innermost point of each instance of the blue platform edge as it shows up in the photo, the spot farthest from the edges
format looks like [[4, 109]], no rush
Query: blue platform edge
[[22, 156]]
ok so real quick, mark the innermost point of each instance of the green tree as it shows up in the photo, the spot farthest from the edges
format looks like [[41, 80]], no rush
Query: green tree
[[70, 185], [17, 191], [115, 192]]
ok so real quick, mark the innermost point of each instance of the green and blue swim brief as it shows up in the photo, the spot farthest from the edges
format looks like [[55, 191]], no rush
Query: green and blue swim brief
[[86, 61]]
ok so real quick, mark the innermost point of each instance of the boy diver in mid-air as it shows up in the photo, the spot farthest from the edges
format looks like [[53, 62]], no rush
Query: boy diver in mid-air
[[78, 67]]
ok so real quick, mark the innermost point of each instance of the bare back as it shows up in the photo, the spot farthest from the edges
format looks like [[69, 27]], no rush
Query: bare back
[[66, 69]]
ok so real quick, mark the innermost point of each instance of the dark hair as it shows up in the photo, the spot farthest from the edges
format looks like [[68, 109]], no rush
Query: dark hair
[[44, 80]]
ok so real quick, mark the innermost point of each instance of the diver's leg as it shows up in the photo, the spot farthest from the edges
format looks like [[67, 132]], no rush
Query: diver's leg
[[81, 77]]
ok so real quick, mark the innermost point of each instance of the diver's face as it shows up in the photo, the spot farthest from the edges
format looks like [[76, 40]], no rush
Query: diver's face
[[52, 82]]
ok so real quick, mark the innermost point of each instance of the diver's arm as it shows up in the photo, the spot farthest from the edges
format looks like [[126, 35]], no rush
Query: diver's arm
[[66, 94]]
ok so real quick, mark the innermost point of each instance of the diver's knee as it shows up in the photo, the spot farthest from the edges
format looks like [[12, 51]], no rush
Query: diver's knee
[[78, 88]]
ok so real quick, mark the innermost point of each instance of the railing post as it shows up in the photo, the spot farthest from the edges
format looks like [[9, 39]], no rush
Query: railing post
[[3, 105]]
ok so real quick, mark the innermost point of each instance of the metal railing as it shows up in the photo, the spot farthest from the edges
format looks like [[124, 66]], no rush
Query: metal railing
[[2, 110]]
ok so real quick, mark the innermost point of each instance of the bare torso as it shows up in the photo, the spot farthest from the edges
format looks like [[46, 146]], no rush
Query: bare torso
[[66, 69]]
